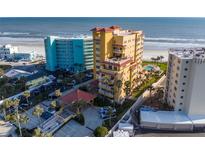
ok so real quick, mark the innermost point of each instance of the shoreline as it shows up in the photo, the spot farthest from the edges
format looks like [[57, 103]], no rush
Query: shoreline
[[37, 45]]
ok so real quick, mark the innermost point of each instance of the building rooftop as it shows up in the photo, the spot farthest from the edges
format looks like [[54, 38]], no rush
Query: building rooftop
[[165, 117], [72, 37], [116, 30], [6, 128], [188, 53], [118, 61], [77, 95]]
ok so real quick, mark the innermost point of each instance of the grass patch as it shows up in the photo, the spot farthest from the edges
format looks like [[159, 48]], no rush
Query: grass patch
[[162, 65]]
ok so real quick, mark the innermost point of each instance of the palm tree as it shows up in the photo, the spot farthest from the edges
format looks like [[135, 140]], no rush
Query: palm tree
[[58, 93], [38, 111], [16, 117], [78, 106], [150, 88], [127, 87], [53, 104], [110, 115], [118, 85], [26, 94], [38, 133], [161, 57], [6, 104], [153, 59]]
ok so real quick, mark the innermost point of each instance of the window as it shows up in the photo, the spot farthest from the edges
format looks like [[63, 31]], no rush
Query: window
[[180, 109], [173, 101], [182, 97], [177, 74], [176, 81], [184, 76], [187, 62], [181, 103], [186, 69], [175, 88], [183, 83], [177, 67], [110, 67], [179, 61], [182, 90]]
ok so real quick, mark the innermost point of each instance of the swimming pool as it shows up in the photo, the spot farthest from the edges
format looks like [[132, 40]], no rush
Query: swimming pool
[[149, 68]]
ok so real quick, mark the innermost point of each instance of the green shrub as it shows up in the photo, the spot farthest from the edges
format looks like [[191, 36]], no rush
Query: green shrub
[[25, 132], [100, 131], [100, 101], [80, 119]]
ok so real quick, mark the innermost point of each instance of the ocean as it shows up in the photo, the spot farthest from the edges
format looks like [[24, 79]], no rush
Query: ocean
[[160, 33]]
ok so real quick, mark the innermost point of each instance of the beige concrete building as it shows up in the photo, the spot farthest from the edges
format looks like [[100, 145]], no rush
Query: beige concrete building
[[117, 58], [185, 85]]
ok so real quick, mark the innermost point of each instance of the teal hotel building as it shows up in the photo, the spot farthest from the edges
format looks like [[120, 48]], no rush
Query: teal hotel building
[[73, 54]]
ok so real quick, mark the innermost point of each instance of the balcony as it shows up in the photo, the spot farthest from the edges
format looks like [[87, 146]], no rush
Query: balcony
[[119, 51], [106, 93], [109, 82], [106, 87]]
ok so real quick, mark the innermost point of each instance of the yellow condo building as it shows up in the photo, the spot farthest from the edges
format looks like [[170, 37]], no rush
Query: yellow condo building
[[117, 61]]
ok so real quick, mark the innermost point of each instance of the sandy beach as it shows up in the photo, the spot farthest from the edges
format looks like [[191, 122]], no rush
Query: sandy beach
[[37, 45]]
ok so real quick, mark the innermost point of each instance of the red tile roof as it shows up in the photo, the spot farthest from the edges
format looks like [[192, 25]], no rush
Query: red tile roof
[[77, 95], [106, 29], [96, 29], [115, 27]]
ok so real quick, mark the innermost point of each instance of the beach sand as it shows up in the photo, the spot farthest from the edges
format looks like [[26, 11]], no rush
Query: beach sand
[[37, 45]]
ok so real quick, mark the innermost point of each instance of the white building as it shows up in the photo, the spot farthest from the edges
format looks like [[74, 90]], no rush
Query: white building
[[6, 51], [11, 52], [185, 85]]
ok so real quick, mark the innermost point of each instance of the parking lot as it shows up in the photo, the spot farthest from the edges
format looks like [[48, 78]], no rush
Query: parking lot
[[72, 128], [33, 121]]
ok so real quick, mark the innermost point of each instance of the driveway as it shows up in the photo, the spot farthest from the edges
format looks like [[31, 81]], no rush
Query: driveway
[[74, 129]]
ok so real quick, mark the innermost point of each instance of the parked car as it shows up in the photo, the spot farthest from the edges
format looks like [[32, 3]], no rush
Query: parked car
[[104, 110], [106, 116]]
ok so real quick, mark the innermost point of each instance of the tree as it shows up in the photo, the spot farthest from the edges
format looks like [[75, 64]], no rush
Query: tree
[[53, 104], [58, 93], [153, 59], [38, 133], [109, 112], [6, 104], [161, 57], [100, 131], [16, 117], [78, 106], [118, 85], [80, 76], [38, 111], [127, 87], [1, 72], [26, 94], [150, 88]]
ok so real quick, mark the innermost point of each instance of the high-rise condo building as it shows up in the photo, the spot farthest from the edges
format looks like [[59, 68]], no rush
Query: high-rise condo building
[[117, 60], [73, 54], [185, 84]]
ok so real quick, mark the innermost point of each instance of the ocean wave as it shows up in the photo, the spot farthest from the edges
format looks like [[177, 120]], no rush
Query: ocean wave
[[174, 40], [14, 33]]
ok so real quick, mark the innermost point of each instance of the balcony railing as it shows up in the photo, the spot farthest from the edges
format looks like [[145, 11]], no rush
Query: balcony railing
[[106, 86], [105, 93]]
